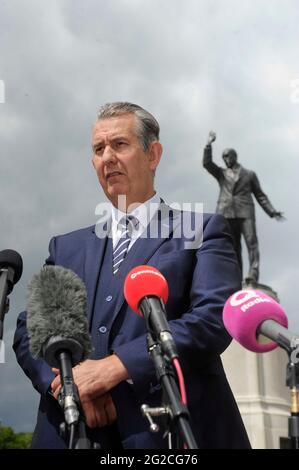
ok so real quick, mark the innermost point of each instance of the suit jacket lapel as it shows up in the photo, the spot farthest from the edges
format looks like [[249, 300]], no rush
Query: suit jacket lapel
[[94, 257], [144, 248], [241, 176]]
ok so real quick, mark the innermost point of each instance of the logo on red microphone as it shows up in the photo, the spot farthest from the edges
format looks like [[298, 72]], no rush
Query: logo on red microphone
[[146, 271]]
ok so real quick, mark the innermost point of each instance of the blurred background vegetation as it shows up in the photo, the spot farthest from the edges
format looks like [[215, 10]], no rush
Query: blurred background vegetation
[[11, 440]]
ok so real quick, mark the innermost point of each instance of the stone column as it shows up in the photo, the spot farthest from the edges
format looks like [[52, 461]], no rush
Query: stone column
[[258, 384]]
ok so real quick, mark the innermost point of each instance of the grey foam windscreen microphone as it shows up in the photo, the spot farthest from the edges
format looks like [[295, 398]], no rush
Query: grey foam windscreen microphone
[[56, 315]]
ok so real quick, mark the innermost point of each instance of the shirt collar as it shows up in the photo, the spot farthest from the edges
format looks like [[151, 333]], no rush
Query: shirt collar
[[143, 213]]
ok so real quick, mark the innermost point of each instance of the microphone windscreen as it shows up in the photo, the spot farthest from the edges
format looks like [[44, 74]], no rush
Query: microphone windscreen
[[57, 305], [12, 259], [244, 312], [143, 281]]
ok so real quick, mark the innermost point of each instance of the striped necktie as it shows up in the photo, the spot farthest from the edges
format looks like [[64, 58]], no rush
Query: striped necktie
[[127, 225]]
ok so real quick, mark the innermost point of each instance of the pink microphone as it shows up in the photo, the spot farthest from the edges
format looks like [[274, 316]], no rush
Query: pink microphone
[[248, 313]]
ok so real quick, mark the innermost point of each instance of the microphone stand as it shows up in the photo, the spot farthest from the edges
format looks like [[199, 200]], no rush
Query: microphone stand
[[292, 381], [64, 353], [291, 345], [6, 280], [74, 425], [178, 427]]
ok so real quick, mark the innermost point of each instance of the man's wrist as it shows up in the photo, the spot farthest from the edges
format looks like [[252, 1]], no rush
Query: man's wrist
[[119, 373]]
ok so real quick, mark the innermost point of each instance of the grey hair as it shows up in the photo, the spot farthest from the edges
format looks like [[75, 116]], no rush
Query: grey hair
[[148, 128]]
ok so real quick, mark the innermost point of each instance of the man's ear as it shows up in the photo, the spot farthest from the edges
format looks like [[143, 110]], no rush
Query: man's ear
[[154, 154]]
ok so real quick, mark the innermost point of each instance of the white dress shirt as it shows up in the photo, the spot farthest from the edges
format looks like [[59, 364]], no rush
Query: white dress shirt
[[143, 213]]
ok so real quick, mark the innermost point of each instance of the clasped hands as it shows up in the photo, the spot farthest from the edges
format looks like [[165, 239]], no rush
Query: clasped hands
[[94, 379]]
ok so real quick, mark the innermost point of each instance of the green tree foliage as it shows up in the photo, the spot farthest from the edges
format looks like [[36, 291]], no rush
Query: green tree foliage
[[11, 440]]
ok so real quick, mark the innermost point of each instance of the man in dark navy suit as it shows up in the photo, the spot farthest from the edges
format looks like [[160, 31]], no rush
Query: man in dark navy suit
[[120, 375]]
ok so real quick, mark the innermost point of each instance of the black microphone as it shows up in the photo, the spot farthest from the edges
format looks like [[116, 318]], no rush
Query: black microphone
[[58, 328], [11, 268]]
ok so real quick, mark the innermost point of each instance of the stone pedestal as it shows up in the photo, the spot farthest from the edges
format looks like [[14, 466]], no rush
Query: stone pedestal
[[263, 287], [258, 384]]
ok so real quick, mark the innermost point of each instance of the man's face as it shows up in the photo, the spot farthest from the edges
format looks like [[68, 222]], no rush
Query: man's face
[[122, 166], [230, 159]]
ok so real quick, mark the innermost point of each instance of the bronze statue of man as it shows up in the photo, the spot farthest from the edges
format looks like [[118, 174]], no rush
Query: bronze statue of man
[[236, 204]]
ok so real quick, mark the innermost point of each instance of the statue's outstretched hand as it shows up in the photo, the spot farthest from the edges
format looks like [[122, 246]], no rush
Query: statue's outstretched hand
[[279, 216], [211, 138]]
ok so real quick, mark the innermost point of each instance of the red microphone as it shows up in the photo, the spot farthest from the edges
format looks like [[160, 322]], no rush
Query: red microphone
[[146, 291]]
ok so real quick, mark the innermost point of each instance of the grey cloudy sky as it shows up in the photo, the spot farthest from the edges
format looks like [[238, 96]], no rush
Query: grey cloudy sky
[[196, 65]]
